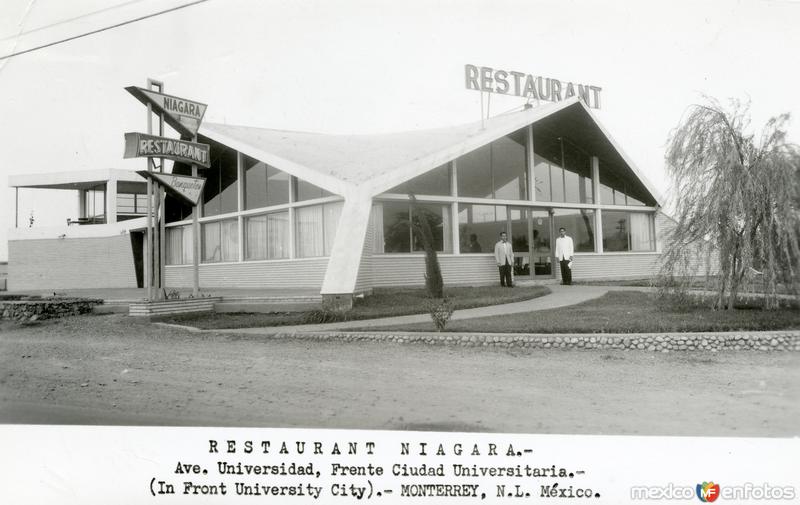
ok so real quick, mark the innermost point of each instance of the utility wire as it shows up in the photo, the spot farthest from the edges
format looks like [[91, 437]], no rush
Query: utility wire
[[141, 18], [76, 18]]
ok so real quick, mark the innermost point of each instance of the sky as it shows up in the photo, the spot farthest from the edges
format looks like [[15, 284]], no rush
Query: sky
[[369, 67]]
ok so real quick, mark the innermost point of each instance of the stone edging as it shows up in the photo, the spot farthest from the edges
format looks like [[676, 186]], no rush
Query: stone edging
[[782, 340]]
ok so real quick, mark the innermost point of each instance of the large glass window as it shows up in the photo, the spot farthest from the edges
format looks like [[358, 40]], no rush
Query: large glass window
[[498, 170], [220, 194], [267, 236], [307, 191], [179, 245], [562, 172], [614, 190], [579, 224], [437, 216], [220, 241], [394, 233], [316, 229], [435, 182], [94, 200], [264, 185], [480, 226], [628, 231]]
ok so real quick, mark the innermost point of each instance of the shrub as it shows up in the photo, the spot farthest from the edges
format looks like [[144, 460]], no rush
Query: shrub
[[440, 311], [322, 316]]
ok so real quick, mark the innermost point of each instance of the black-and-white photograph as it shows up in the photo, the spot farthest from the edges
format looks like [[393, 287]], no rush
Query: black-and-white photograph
[[515, 217]]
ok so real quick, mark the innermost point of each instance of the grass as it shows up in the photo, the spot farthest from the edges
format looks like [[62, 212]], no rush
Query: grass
[[623, 312], [384, 302], [696, 283]]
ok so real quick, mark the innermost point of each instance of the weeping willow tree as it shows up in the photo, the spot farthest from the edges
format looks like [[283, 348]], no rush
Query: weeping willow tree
[[737, 205]]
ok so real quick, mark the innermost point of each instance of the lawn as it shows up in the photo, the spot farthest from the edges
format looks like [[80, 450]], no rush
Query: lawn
[[384, 302], [696, 283], [623, 312]]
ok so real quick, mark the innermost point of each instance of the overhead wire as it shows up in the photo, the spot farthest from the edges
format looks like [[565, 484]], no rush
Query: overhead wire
[[99, 30], [70, 20]]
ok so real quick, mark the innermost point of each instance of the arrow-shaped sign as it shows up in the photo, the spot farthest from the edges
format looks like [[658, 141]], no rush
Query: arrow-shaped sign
[[150, 146], [183, 186], [182, 114]]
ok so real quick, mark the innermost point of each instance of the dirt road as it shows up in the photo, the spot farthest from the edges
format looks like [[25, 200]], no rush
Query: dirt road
[[117, 370]]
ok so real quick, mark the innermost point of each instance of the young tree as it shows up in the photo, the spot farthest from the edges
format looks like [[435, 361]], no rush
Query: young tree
[[421, 224], [737, 203]]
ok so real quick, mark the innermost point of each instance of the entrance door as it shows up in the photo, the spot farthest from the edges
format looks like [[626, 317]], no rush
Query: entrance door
[[519, 224], [541, 244]]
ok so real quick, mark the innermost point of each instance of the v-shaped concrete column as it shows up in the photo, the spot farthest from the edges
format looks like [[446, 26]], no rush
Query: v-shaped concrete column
[[342, 272]]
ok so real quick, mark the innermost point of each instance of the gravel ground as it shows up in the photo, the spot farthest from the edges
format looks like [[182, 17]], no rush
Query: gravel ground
[[119, 370]]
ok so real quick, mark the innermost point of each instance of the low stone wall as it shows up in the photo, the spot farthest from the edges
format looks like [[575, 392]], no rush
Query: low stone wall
[[45, 308], [788, 340]]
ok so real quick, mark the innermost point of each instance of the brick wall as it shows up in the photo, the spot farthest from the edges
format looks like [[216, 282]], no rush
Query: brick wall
[[71, 263]]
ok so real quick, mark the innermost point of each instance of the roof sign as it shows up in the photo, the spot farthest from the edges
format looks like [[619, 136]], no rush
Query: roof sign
[[507, 82], [182, 114], [182, 186], [139, 145]]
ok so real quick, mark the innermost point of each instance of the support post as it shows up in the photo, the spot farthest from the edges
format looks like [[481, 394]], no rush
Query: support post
[[598, 214], [111, 200], [162, 219], [195, 239]]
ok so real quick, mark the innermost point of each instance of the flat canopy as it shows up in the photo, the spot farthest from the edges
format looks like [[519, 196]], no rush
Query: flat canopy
[[80, 179]]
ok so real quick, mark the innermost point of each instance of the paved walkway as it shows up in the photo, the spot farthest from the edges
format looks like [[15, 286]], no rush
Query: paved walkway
[[560, 296]]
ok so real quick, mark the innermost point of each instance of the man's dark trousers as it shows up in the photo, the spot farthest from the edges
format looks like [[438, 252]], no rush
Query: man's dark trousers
[[505, 275], [566, 272]]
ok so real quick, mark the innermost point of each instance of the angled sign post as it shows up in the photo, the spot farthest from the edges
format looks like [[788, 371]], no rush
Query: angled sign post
[[182, 114], [185, 117]]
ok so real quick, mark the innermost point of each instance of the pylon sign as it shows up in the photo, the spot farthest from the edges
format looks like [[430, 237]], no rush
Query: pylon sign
[[151, 146], [183, 186], [182, 114]]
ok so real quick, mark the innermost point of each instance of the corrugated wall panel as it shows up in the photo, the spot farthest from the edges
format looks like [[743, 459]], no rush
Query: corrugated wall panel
[[614, 266], [71, 263], [272, 274], [409, 270]]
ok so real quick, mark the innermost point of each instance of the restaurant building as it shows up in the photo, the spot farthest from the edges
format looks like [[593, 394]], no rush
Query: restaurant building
[[287, 209]]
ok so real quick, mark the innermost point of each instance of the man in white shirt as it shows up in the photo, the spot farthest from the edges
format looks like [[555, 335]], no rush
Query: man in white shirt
[[504, 255], [564, 252]]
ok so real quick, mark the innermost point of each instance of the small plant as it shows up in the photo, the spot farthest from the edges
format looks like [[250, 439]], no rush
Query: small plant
[[173, 294], [440, 311], [322, 316]]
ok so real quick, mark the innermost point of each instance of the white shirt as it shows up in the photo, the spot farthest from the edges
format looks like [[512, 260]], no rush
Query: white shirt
[[564, 248], [503, 252]]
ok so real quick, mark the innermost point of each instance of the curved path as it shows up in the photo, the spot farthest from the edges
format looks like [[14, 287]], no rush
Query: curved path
[[560, 296]]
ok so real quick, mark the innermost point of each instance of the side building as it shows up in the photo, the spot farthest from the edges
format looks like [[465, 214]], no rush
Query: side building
[[284, 209]]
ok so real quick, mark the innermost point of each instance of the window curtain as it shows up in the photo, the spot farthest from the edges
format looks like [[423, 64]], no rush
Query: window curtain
[[377, 228], [277, 235], [447, 238], [187, 246], [333, 212], [174, 246], [641, 236], [256, 238], [230, 240], [211, 248], [309, 232]]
